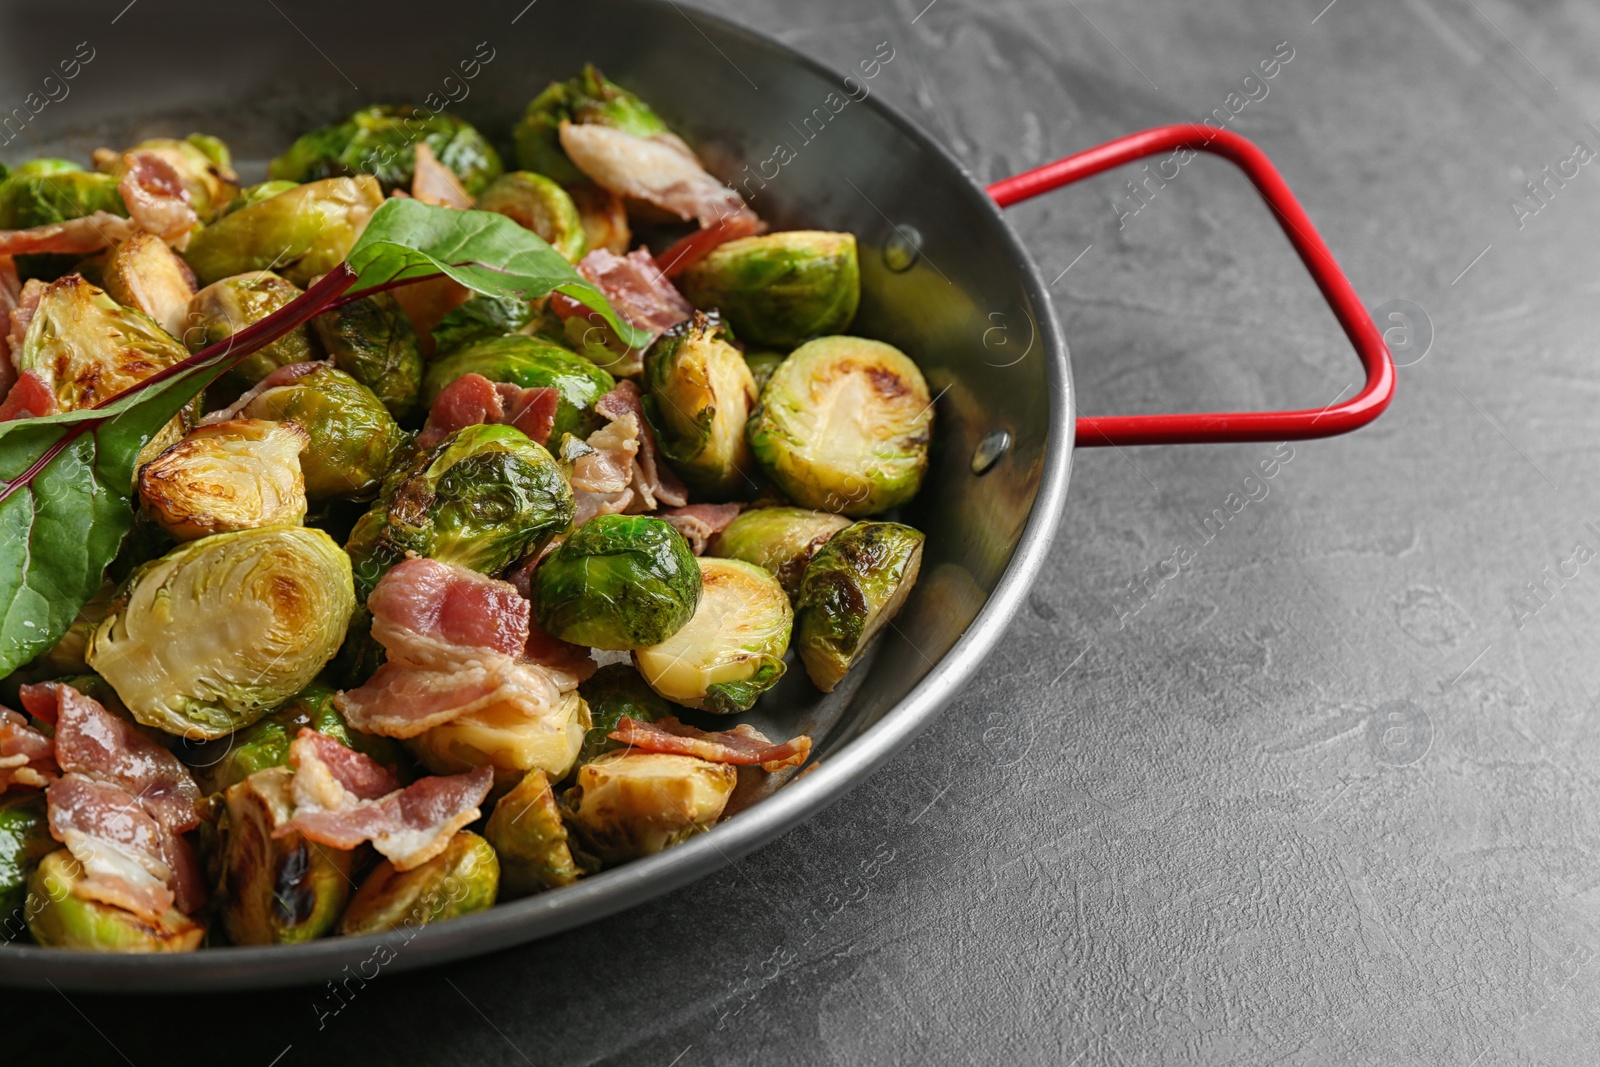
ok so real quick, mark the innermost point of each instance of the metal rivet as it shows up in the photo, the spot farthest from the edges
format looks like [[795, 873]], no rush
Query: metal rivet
[[902, 249], [990, 450]]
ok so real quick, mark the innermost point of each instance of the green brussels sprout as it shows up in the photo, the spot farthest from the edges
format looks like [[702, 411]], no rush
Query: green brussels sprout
[[530, 362], [372, 341], [589, 97], [354, 439], [462, 879], [225, 307], [698, 395], [274, 888], [781, 288], [231, 475], [145, 274], [507, 738], [630, 804], [24, 840], [480, 318], [59, 918], [203, 164], [47, 191], [618, 582], [530, 839], [611, 692], [251, 195], [761, 365], [301, 233], [482, 498], [781, 539], [536, 203], [381, 141], [212, 635], [732, 650], [844, 425], [854, 585]]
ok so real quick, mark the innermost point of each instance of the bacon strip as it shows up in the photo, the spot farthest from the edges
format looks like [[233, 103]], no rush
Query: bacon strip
[[27, 757], [156, 199], [699, 523], [74, 237], [425, 600], [10, 297], [660, 170], [472, 399], [690, 250], [635, 287], [743, 745], [653, 480], [434, 183]]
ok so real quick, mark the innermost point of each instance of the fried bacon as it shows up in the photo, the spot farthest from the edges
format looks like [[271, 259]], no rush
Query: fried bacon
[[473, 399], [743, 745], [659, 170], [27, 757], [699, 523], [434, 183]]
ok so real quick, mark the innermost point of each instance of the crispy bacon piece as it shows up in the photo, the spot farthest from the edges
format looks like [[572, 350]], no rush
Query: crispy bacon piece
[[653, 480], [423, 600], [116, 842], [701, 243], [27, 757], [156, 199], [699, 523], [660, 170], [601, 477], [28, 398], [742, 745], [335, 803], [473, 399], [74, 237], [635, 287], [10, 296], [434, 183]]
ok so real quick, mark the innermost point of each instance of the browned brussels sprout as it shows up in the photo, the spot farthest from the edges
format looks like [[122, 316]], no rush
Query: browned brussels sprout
[[851, 590], [781, 288], [59, 918], [145, 274], [24, 840], [781, 539], [589, 97], [354, 439], [698, 395], [233, 475], [302, 233], [536, 203], [382, 140], [630, 804], [462, 879], [203, 164], [372, 341], [530, 838], [225, 307], [618, 582], [611, 692]]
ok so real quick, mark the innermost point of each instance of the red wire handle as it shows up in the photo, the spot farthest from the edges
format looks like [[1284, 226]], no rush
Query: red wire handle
[[1352, 414]]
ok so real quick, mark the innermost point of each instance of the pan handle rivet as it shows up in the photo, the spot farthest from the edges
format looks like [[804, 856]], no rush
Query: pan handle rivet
[[990, 450], [902, 248]]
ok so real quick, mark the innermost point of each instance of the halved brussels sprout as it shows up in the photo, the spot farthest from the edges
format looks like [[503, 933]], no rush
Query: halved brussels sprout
[[254, 194], [462, 879], [145, 274], [853, 587], [482, 498], [301, 233], [274, 888], [732, 650], [225, 307], [761, 365], [781, 288], [604, 217], [372, 341], [210, 636], [530, 839], [618, 582], [589, 97], [611, 692], [59, 918], [536, 203], [781, 539], [844, 426], [203, 164], [24, 840], [630, 804], [530, 362], [354, 439], [698, 395], [508, 739], [233, 475], [478, 319], [382, 140], [46, 191]]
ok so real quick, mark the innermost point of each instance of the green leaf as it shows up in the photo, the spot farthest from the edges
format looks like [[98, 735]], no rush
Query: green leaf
[[485, 252]]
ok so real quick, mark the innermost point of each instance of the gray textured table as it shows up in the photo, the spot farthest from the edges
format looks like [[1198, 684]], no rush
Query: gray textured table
[[1325, 796]]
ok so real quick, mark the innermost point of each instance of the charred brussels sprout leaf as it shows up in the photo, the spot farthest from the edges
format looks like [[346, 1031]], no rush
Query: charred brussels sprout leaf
[[782, 288], [479, 319], [462, 879], [372, 341], [631, 804], [233, 475], [613, 691], [301, 233], [59, 918], [530, 362], [780, 539], [589, 97], [618, 582], [731, 651], [854, 585], [536, 203], [698, 395], [210, 636], [482, 498], [24, 840], [530, 839], [353, 438], [225, 307], [382, 141], [843, 425], [509, 739]]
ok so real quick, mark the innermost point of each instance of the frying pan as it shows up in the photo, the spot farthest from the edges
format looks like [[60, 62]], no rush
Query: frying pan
[[940, 270]]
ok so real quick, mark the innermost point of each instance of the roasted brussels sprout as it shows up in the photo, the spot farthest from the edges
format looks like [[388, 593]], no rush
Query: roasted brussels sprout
[[382, 141], [530, 362], [589, 97], [781, 539], [698, 395], [781, 288], [611, 692], [631, 804], [254, 194], [854, 585], [618, 582], [732, 650], [275, 887], [530, 839], [478, 319], [372, 341], [507, 738], [145, 274], [843, 425], [233, 475], [301, 233], [761, 365], [462, 879], [210, 636], [24, 840], [604, 217], [45, 191], [482, 498], [225, 307], [59, 918], [203, 165], [354, 439], [536, 203]]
